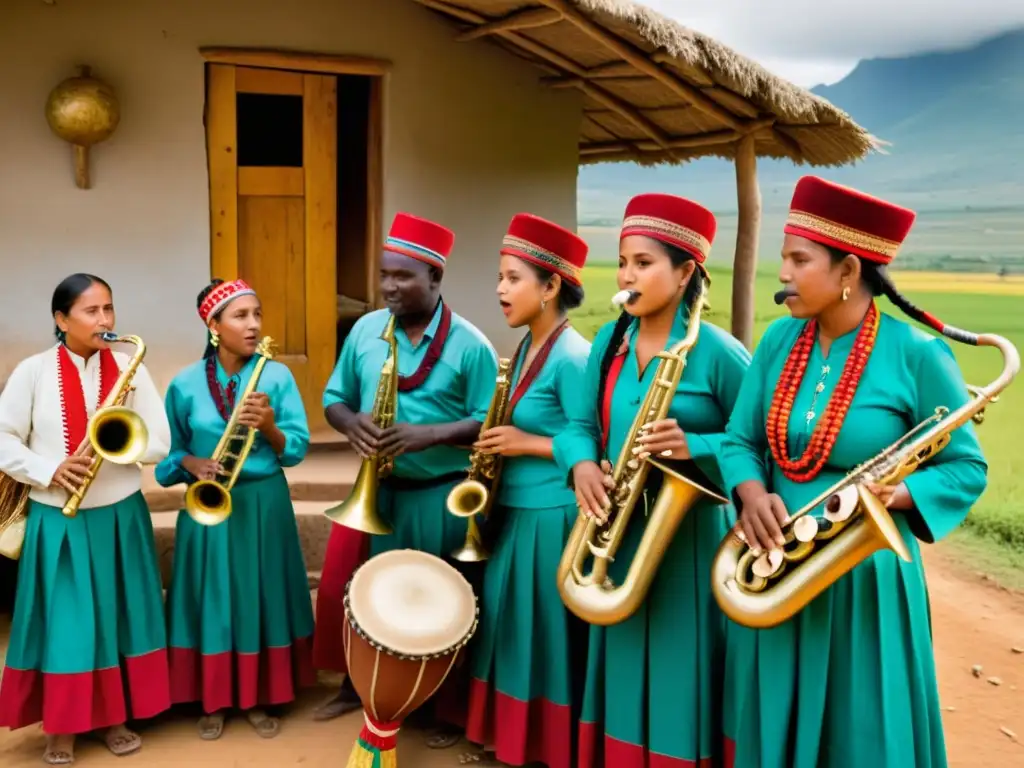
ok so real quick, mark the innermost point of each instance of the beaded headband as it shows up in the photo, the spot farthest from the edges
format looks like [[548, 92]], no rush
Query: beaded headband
[[221, 295]]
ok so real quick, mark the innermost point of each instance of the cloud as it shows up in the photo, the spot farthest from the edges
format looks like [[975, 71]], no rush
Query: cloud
[[801, 40]]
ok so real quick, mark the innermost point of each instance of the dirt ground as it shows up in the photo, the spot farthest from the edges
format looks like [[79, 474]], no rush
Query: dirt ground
[[975, 621]]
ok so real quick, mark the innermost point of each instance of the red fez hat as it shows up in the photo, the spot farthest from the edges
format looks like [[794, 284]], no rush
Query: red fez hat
[[420, 239], [672, 220], [547, 245], [844, 218]]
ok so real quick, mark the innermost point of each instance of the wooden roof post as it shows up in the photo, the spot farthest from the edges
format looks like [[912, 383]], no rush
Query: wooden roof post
[[748, 228]]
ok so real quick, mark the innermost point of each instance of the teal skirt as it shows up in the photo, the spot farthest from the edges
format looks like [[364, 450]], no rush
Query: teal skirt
[[653, 686], [239, 614], [849, 681], [88, 646], [419, 519], [526, 662]]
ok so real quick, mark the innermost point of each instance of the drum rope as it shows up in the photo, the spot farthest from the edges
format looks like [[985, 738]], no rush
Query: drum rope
[[419, 680]]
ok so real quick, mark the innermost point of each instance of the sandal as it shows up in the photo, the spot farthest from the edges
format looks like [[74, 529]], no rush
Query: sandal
[[483, 757], [264, 725], [444, 737], [60, 749], [120, 741], [211, 726], [341, 704]]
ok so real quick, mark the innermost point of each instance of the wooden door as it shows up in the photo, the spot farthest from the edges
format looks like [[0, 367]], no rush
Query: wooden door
[[272, 147]]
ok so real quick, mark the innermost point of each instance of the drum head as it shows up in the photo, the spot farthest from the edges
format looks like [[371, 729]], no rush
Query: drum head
[[412, 603]]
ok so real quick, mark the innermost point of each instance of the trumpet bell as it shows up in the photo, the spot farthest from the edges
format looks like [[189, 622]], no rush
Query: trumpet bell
[[208, 502], [118, 435], [472, 549], [359, 510], [468, 498]]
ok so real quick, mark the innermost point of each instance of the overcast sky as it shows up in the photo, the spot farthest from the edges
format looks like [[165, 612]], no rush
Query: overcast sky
[[801, 41]]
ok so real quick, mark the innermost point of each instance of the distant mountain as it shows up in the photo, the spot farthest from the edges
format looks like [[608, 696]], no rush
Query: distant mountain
[[954, 119]]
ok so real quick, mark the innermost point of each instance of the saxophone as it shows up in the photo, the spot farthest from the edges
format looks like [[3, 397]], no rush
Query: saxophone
[[115, 432], [768, 589], [208, 502], [594, 597], [475, 495], [359, 510]]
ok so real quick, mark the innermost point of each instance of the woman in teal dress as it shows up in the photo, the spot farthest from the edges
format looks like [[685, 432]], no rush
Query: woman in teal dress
[[88, 647], [521, 705], [239, 615], [653, 681], [850, 680]]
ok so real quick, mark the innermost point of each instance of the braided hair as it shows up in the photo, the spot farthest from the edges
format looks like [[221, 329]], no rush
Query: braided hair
[[876, 277], [678, 257], [210, 349]]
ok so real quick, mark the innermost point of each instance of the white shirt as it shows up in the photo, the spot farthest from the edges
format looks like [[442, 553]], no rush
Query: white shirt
[[32, 428]]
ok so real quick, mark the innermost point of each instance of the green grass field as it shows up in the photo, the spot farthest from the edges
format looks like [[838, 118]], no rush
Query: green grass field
[[978, 303]]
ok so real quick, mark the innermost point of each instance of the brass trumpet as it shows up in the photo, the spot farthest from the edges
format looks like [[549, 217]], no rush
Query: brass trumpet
[[115, 433], [359, 510], [475, 495], [766, 590], [208, 502], [594, 597]]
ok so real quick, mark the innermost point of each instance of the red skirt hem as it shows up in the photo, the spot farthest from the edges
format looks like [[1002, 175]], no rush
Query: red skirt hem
[[519, 732], [242, 680], [346, 551], [79, 702], [599, 750]]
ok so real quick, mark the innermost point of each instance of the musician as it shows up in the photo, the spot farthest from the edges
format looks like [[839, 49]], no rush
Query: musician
[[829, 388], [88, 643], [653, 679], [527, 643], [240, 619], [447, 372]]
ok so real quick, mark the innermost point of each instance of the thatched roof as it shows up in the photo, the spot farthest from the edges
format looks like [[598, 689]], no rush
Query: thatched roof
[[655, 91]]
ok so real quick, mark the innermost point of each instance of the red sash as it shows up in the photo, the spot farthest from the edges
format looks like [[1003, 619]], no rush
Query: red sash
[[72, 396]]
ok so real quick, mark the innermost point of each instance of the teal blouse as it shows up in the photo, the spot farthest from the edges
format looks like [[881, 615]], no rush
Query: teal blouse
[[196, 425], [459, 387], [703, 401], [531, 482], [909, 374]]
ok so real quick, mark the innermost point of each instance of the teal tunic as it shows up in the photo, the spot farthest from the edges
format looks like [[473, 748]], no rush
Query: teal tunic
[[521, 703], [240, 619], [850, 680], [653, 681], [459, 387]]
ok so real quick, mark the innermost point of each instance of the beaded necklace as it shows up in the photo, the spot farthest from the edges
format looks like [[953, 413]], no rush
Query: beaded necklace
[[823, 439], [223, 398]]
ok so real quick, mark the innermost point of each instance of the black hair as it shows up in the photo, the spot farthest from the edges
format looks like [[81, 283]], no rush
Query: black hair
[[67, 293], [694, 288], [570, 295], [876, 279], [210, 349]]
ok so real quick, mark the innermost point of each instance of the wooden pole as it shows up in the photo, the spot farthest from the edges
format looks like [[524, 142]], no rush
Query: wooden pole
[[748, 196]]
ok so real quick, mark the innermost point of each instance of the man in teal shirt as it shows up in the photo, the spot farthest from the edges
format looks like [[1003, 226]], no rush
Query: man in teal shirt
[[447, 371]]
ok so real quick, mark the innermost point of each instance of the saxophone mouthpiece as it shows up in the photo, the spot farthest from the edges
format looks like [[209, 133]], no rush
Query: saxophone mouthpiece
[[108, 337], [785, 293], [625, 297]]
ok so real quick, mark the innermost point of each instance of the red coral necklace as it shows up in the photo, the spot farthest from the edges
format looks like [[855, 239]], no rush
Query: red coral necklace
[[823, 439]]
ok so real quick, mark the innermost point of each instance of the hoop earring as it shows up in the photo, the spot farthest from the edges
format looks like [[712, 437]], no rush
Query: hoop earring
[[214, 339], [846, 293]]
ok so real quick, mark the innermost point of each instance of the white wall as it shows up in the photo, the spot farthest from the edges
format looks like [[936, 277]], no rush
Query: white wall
[[471, 138]]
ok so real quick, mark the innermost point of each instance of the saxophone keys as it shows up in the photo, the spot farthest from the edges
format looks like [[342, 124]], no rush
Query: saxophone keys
[[842, 504], [805, 529], [767, 564]]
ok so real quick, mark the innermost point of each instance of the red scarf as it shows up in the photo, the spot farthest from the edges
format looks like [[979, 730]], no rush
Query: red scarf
[[72, 396], [535, 367], [409, 383], [614, 371]]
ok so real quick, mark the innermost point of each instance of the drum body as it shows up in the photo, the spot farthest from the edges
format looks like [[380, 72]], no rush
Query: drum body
[[408, 616]]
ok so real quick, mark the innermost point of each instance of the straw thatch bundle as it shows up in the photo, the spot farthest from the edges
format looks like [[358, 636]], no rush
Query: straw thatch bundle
[[655, 91]]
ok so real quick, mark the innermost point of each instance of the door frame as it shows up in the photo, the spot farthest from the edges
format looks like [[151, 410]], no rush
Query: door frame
[[221, 150]]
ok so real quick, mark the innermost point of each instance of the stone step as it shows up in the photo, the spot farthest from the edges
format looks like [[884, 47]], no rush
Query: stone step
[[325, 475], [314, 531]]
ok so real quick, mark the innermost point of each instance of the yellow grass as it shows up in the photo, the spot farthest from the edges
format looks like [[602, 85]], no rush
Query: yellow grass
[[957, 282]]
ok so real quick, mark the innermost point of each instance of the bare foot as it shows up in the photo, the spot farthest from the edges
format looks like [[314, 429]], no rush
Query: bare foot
[[344, 702], [60, 749], [120, 741], [264, 725], [211, 726]]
